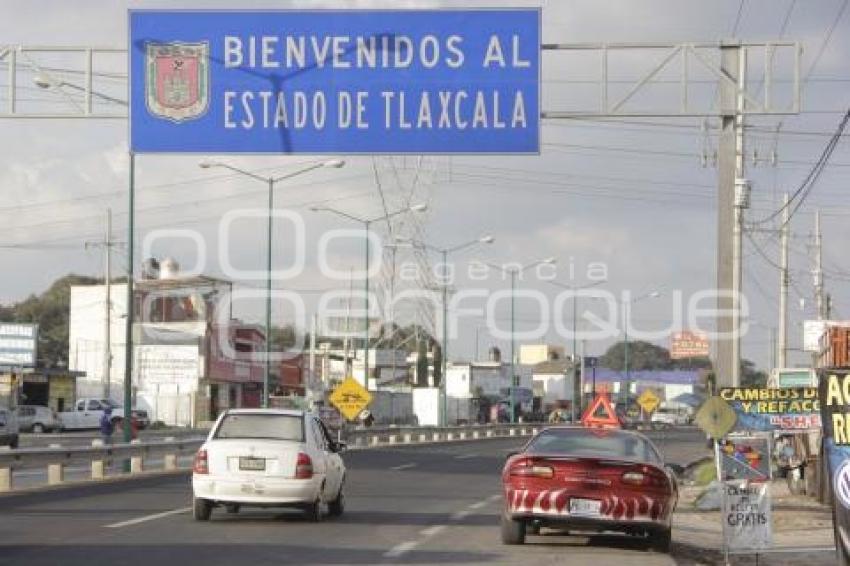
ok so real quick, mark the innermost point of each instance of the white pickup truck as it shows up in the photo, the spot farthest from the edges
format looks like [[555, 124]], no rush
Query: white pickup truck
[[87, 412]]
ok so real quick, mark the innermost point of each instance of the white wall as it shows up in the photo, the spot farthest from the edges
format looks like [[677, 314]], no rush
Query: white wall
[[86, 342], [426, 405], [556, 387]]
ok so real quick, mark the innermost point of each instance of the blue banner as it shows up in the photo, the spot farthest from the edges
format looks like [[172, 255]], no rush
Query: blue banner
[[335, 81], [761, 409], [834, 392]]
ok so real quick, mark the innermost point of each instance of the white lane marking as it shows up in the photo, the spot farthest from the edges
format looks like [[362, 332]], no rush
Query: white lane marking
[[403, 467], [494, 498], [146, 518], [433, 530], [401, 549], [465, 456], [461, 515], [478, 505]]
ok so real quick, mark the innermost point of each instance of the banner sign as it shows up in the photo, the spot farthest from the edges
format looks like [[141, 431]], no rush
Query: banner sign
[[18, 344], [746, 516], [834, 393], [688, 344], [335, 81], [786, 409], [745, 457]]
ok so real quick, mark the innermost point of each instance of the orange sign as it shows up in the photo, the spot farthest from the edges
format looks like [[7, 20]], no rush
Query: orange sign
[[688, 344], [600, 413]]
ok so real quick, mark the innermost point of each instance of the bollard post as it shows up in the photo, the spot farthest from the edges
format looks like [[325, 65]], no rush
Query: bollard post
[[391, 439], [489, 434], [136, 462], [5, 479], [408, 438], [512, 432], [475, 434], [98, 467], [462, 435], [375, 440], [55, 472], [436, 437], [170, 460], [423, 437]]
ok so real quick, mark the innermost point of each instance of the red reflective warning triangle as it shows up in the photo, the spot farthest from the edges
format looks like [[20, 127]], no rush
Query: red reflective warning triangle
[[600, 413]]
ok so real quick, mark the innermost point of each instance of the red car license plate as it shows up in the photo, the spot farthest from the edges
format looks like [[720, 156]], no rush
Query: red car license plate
[[585, 507]]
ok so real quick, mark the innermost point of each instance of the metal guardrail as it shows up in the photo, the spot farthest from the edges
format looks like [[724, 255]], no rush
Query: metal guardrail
[[56, 458], [422, 434]]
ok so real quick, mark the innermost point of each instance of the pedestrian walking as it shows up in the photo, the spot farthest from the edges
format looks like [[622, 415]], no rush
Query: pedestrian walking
[[106, 426]]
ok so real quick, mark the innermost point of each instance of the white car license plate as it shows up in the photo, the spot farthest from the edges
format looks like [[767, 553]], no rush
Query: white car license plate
[[252, 464], [586, 507]]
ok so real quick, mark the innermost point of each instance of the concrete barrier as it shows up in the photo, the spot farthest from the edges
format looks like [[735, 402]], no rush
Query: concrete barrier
[[137, 463], [98, 466]]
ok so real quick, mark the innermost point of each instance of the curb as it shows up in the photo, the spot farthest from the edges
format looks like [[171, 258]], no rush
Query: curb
[[696, 553]]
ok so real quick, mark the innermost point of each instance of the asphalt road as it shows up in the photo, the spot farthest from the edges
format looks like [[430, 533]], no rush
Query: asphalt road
[[417, 505]]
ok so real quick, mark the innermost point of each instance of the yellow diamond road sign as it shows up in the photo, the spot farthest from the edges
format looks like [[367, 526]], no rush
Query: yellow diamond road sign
[[716, 417], [350, 398], [648, 400]]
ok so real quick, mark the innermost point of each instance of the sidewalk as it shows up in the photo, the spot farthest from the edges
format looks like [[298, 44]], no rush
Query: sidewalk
[[802, 531]]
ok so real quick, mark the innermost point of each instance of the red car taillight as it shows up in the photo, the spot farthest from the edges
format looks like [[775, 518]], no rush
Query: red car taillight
[[201, 464], [303, 467], [644, 476], [530, 469]]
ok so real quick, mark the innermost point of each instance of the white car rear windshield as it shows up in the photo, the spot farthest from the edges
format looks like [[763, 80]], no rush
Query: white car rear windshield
[[256, 426], [593, 443]]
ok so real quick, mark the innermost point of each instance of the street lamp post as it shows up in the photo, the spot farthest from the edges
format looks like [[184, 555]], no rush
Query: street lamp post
[[445, 287], [577, 389], [270, 182], [367, 222], [626, 308], [514, 272]]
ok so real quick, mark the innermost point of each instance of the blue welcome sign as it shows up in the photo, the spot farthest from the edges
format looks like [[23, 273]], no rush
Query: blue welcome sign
[[335, 81]]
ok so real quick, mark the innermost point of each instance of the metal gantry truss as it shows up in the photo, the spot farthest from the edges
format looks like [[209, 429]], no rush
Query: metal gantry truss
[[689, 65], [63, 82], [90, 82]]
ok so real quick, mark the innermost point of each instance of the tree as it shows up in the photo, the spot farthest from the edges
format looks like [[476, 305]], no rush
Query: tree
[[51, 311], [642, 356], [648, 356], [283, 338], [752, 377]]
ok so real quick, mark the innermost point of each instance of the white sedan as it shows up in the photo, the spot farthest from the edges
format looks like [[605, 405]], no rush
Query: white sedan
[[269, 458]]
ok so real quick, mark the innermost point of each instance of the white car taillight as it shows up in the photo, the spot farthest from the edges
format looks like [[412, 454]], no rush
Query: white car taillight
[[201, 464], [303, 467]]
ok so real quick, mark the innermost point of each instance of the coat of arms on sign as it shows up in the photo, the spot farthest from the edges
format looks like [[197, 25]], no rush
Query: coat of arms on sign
[[177, 80]]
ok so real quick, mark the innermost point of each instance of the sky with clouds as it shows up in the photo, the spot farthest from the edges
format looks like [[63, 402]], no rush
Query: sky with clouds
[[633, 194]]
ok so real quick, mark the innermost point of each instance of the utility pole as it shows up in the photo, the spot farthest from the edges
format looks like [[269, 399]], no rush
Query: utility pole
[[732, 199], [742, 202], [107, 244], [311, 383], [818, 273], [346, 339], [784, 281]]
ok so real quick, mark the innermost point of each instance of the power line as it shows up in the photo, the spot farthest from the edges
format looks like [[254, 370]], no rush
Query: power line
[[806, 186]]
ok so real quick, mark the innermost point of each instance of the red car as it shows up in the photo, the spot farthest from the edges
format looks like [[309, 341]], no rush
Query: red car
[[588, 479]]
